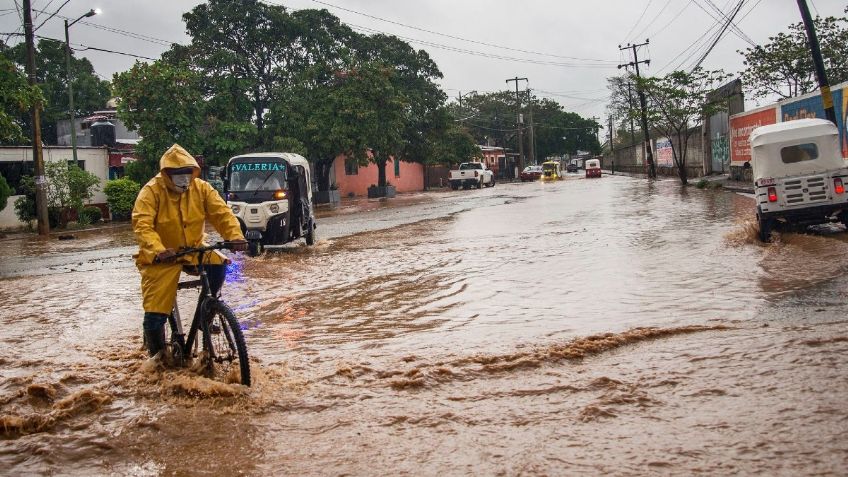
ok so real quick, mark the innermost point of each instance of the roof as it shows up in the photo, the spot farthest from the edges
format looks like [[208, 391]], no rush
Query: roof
[[290, 157], [792, 130]]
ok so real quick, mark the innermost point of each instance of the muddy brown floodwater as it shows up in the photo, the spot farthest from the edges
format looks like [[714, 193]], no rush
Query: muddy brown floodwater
[[608, 326]]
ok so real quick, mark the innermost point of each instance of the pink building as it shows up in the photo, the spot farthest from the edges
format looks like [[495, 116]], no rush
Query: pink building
[[353, 178]]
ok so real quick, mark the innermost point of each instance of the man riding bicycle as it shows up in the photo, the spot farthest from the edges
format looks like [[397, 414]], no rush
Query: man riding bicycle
[[170, 213]]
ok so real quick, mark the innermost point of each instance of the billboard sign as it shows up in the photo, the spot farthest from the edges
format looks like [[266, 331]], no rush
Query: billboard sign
[[741, 126], [812, 107], [665, 155]]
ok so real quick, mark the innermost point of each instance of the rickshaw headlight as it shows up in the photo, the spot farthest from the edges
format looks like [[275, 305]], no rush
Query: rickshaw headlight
[[280, 195], [274, 208], [236, 209]]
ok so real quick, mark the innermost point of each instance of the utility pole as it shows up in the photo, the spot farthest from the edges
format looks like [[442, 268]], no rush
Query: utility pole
[[595, 127], [37, 154], [649, 154], [532, 128], [519, 121], [612, 149], [821, 74], [460, 96], [630, 109]]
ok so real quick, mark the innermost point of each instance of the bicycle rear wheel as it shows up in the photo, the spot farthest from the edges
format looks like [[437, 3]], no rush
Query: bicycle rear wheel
[[225, 351]]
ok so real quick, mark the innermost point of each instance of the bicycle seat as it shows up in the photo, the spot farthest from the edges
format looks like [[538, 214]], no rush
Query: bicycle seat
[[189, 284]]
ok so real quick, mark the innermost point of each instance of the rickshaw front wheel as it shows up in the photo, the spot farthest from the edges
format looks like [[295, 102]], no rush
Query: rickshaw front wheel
[[254, 248]]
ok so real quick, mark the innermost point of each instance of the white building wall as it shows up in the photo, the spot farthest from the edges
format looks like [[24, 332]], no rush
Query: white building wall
[[96, 162]]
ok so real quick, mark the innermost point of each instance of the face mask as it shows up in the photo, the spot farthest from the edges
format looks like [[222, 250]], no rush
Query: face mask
[[181, 181]]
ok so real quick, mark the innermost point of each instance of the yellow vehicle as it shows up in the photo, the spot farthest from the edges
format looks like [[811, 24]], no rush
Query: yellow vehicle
[[552, 171]]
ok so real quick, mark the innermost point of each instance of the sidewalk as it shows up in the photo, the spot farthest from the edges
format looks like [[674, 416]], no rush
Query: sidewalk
[[731, 185]]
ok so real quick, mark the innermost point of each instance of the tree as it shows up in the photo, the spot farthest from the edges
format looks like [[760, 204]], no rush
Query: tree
[[121, 195], [677, 104], [90, 92], [784, 66], [69, 187], [164, 104], [5, 192], [16, 98]]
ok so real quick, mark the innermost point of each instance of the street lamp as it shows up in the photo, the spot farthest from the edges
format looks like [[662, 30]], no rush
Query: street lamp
[[90, 13]]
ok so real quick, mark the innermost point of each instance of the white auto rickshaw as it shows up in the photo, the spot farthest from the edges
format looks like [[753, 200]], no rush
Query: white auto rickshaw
[[271, 195], [593, 168], [799, 175]]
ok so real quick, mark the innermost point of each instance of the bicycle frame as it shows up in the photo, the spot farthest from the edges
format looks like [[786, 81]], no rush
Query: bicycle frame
[[186, 342]]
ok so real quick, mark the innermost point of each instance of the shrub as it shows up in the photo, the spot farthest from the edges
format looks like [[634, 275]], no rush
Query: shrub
[[121, 195], [5, 192], [89, 215], [702, 183]]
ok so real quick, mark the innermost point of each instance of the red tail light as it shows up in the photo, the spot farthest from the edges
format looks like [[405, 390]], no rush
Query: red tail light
[[772, 194], [838, 186]]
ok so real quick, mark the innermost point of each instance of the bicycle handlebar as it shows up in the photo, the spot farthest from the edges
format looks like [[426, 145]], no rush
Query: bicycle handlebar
[[207, 248]]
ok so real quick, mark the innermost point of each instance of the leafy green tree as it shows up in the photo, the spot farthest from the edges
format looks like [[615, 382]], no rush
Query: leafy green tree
[[16, 98], [164, 104], [69, 187], [677, 104], [5, 192], [121, 195], [90, 92], [784, 67]]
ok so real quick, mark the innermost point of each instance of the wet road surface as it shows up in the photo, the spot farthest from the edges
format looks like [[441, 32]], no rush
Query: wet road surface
[[588, 326]]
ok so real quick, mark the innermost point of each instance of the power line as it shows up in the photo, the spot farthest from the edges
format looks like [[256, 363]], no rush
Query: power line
[[662, 28], [735, 29], [662, 9], [86, 47], [480, 53], [51, 15], [718, 37], [130, 34], [648, 5], [446, 35]]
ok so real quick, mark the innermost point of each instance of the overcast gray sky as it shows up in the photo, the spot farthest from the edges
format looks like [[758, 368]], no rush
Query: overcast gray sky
[[566, 48]]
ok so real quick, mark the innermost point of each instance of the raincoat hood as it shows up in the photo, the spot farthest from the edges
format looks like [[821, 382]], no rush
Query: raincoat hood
[[176, 158]]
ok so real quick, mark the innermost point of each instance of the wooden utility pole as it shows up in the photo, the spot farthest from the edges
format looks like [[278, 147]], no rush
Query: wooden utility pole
[[532, 128], [37, 154], [649, 154], [821, 74], [519, 121]]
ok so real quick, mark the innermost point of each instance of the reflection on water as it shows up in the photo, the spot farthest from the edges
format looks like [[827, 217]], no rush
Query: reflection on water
[[521, 329]]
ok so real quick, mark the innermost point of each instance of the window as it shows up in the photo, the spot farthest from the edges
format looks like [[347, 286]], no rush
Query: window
[[13, 171], [351, 168], [397, 167], [80, 164], [799, 153]]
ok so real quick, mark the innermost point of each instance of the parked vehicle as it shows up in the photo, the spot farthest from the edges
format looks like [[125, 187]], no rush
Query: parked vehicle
[[271, 195], [593, 168], [572, 166], [531, 173], [799, 175], [472, 174], [551, 171]]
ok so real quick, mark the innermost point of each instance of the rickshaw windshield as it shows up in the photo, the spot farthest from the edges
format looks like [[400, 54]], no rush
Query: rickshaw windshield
[[257, 176]]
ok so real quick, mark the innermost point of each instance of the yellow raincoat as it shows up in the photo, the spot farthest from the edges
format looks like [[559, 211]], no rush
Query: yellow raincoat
[[163, 218]]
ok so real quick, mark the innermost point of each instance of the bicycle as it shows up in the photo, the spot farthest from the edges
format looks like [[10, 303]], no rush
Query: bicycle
[[221, 338]]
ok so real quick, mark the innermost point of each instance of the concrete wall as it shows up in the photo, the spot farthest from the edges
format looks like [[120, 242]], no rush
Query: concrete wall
[[410, 179], [632, 159], [96, 161]]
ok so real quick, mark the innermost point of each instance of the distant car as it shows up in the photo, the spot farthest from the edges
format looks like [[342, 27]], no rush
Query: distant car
[[572, 167], [531, 173]]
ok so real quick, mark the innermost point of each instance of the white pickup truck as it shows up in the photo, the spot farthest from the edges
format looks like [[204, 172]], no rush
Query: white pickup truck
[[472, 174]]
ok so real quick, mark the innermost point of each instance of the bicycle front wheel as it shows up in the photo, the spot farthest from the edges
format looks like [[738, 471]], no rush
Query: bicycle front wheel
[[225, 352]]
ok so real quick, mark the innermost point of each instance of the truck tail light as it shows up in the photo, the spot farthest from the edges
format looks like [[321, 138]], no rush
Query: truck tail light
[[838, 186], [772, 194], [476, 174]]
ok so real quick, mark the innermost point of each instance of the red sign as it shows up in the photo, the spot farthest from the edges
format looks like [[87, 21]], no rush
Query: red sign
[[740, 132]]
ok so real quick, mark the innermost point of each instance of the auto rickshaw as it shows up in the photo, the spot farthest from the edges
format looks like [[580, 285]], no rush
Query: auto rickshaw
[[593, 168], [551, 171], [271, 195]]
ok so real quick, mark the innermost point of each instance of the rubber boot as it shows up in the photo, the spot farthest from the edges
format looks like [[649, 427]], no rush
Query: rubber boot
[[155, 340]]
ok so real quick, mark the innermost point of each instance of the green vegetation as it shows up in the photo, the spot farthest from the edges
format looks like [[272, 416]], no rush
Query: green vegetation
[[5, 192], [16, 98], [121, 195], [784, 65], [68, 188]]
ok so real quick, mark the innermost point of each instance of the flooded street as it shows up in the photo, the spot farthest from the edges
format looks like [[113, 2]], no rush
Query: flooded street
[[610, 326]]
